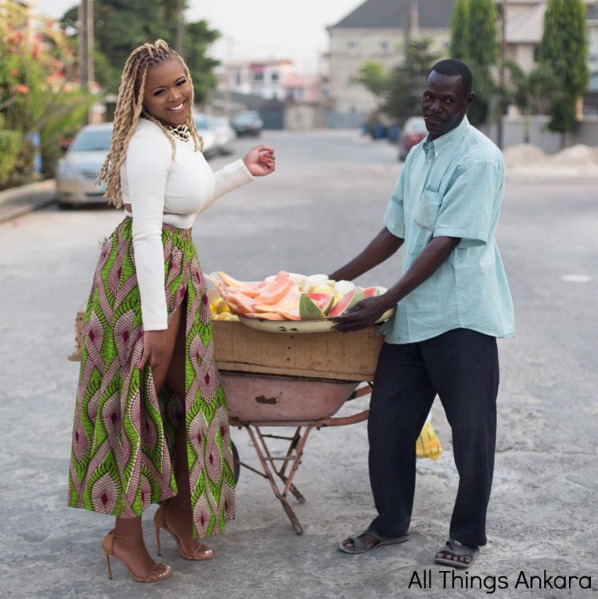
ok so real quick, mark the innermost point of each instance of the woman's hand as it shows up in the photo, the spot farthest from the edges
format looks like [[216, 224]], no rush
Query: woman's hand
[[260, 161], [154, 347]]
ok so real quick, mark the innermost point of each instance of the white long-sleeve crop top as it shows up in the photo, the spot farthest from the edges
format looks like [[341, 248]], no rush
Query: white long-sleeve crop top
[[162, 190]]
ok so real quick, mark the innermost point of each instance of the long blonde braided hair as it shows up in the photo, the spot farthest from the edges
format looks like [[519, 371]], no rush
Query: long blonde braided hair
[[129, 108]]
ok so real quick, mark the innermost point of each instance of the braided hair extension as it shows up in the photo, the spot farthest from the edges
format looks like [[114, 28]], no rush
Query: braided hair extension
[[129, 109]]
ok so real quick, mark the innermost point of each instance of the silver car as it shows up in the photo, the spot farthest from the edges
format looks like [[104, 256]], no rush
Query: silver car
[[78, 169]]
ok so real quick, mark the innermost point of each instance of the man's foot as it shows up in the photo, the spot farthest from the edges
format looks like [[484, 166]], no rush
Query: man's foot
[[457, 555], [369, 540]]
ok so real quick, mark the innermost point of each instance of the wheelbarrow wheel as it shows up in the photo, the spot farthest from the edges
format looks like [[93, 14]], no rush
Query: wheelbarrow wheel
[[236, 462]]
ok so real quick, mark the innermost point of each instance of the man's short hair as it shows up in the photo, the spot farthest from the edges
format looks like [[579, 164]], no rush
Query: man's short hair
[[452, 67]]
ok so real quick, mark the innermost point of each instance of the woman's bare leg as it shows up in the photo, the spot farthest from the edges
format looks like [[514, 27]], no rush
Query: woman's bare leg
[[177, 510], [132, 549]]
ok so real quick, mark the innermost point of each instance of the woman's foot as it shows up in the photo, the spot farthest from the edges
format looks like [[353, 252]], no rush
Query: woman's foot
[[131, 550], [179, 524]]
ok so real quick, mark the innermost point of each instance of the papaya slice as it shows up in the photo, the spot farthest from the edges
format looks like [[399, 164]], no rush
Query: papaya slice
[[275, 289]]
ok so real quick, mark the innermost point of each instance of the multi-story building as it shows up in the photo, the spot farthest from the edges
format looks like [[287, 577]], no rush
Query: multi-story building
[[592, 16], [264, 78], [378, 31]]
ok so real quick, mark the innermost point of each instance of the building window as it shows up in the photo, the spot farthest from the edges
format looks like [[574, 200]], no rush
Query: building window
[[275, 76], [352, 47], [384, 47], [258, 76]]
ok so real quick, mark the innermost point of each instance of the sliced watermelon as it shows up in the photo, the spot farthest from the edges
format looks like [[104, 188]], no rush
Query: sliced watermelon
[[346, 302], [371, 292], [308, 309], [322, 300]]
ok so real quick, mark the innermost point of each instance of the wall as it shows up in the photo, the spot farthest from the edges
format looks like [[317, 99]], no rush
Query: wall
[[514, 133]]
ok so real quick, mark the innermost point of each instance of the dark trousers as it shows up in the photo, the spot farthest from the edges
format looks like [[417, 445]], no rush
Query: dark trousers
[[461, 367]]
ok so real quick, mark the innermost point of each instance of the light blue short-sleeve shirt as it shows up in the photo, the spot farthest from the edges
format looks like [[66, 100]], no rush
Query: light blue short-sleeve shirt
[[452, 186]]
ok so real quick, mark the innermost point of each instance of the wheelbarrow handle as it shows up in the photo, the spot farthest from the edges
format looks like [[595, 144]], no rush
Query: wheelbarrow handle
[[343, 420]]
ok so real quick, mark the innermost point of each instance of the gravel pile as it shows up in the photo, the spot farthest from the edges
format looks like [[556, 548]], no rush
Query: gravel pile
[[530, 159]]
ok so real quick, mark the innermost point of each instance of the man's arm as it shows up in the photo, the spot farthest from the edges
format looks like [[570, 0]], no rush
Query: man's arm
[[382, 247], [367, 312]]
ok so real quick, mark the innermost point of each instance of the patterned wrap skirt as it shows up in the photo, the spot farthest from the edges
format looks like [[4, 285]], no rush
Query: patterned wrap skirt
[[123, 434]]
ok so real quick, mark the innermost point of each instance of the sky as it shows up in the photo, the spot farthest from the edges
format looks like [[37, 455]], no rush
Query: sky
[[257, 29]]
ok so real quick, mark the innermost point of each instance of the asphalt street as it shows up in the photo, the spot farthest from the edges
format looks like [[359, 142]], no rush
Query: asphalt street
[[323, 204]]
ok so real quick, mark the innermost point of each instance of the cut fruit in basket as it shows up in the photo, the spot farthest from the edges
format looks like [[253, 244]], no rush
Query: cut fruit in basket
[[346, 302], [290, 296]]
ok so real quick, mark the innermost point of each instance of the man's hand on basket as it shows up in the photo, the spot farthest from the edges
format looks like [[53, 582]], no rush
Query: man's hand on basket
[[362, 315]]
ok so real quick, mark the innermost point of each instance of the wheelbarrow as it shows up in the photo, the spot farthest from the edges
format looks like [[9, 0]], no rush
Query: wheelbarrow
[[293, 380], [259, 401]]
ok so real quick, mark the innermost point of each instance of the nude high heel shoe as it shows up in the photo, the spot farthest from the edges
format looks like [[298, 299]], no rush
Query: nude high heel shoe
[[157, 572], [201, 551]]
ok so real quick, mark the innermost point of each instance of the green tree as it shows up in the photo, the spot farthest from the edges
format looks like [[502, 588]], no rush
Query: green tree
[[563, 50], [122, 25], [374, 77], [459, 45], [482, 56], [526, 91], [475, 40], [403, 93], [37, 90]]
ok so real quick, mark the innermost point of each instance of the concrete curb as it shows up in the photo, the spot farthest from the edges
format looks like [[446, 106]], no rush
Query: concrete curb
[[21, 200]]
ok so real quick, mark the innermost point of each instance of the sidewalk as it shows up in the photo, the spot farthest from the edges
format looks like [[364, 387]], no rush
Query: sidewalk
[[21, 200]]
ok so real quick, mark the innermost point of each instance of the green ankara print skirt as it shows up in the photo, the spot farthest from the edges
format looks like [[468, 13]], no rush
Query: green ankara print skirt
[[123, 433]]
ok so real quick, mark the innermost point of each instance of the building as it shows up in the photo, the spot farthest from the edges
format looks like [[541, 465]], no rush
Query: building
[[378, 31], [592, 16], [285, 99], [525, 25], [264, 78]]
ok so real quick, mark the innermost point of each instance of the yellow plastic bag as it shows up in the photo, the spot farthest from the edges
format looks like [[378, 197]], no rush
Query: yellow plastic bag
[[428, 444]]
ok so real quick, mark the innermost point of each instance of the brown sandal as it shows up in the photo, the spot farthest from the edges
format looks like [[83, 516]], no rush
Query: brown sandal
[[201, 552], [156, 573]]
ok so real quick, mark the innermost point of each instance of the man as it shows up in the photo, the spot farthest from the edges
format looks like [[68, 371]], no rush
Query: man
[[452, 302]]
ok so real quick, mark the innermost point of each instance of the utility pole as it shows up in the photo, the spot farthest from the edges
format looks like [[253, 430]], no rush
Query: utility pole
[[503, 58], [411, 27], [180, 28], [86, 69]]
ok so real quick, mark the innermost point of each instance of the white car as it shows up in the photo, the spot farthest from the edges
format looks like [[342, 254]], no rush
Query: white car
[[204, 128], [225, 134], [78, 169]]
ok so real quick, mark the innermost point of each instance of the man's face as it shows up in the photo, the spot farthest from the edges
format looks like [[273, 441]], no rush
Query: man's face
[[444, 103]]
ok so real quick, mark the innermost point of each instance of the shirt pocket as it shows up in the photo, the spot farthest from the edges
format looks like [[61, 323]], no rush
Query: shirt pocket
[[427, 209]]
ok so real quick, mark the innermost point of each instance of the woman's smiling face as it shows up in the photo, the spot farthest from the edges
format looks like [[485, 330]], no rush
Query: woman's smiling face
[[168, 94]]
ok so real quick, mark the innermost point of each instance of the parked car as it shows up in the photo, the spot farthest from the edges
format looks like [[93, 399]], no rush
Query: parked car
[[224, 133], [248, 122], [413, 132], [80, 166], [205, 129]]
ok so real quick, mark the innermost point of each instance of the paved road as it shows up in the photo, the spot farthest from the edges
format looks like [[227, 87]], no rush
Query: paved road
[[323, 204]]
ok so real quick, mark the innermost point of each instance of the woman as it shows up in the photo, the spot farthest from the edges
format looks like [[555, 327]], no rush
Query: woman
[[151, 419]]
